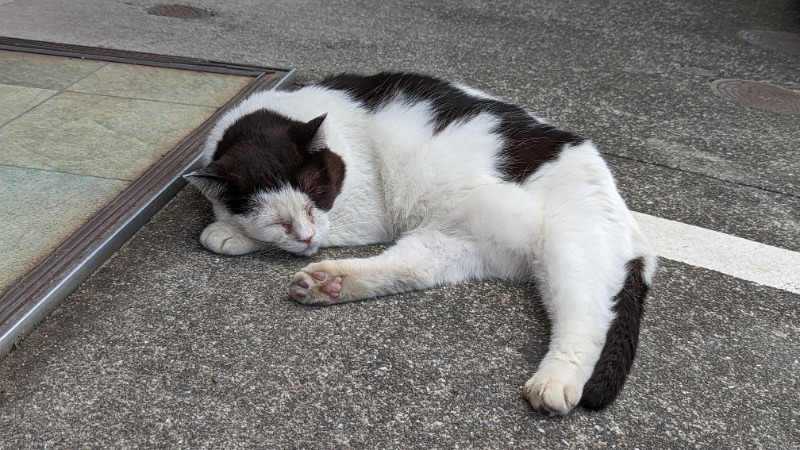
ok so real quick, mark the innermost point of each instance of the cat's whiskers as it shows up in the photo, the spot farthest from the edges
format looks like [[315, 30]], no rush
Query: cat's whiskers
[[345, 220], [318, 172], [347, 225], [340, 224]]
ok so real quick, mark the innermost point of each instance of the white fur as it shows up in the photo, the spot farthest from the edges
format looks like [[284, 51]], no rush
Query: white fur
[[454, 218]]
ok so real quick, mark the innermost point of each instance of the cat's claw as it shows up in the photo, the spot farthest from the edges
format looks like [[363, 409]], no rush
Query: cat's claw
[[316, 288]]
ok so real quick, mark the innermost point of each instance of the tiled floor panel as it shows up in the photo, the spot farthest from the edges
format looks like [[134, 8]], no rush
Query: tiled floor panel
[[75, 132]]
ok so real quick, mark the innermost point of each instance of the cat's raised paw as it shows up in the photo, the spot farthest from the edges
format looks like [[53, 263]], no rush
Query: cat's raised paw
[[316, 288], [553, 392]]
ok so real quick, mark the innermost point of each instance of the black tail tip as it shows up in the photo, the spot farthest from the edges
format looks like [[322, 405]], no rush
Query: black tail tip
[[616, 359], [598, 397]]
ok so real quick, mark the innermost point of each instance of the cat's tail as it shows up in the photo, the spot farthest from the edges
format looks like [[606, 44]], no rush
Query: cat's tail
[[616, 358]]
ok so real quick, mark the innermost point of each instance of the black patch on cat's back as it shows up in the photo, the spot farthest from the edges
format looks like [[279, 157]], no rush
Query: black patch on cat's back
[[528, 143], [449, 103]]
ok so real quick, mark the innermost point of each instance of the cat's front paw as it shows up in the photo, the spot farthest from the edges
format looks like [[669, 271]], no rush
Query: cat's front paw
[[219, 237], [555, 388], [316, 287], [333, 281]]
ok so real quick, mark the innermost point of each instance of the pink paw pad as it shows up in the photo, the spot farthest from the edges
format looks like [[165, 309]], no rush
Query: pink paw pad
[[332, 287]]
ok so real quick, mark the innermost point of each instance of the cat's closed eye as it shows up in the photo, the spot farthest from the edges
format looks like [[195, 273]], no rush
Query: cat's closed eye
[[286, 226]]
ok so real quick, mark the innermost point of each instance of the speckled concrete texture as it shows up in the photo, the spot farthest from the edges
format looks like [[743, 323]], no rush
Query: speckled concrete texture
[[170, 346]]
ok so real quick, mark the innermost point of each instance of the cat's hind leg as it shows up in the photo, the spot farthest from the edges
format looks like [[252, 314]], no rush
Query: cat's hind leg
[[593, 269], [578, 300], [592, 346], [419, 260]]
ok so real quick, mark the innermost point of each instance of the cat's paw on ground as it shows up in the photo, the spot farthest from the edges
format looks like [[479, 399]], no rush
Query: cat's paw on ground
[[316, 287], [555, 389], [219, 237]]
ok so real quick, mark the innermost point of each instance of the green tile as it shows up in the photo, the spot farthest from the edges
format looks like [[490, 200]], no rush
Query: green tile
[[158, 83], [97, 135], [39, 209], [43, 71], [15, 100]]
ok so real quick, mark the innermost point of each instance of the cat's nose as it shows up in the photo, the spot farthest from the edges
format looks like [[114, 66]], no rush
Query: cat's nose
[[306, 241]]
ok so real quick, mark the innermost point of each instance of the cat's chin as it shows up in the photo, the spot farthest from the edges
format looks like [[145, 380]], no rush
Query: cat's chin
[[305, 251]]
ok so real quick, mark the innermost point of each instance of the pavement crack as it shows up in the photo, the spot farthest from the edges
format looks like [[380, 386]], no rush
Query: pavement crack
[[704, 175]]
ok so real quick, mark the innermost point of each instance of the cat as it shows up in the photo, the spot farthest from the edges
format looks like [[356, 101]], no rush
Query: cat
[[466, 187]]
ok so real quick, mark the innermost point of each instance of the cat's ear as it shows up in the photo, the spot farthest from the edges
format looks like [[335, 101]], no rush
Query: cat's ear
[[308, 136], [210, 181]]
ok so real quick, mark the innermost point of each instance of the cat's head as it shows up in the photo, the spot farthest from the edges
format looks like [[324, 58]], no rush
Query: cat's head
[[275, 179]]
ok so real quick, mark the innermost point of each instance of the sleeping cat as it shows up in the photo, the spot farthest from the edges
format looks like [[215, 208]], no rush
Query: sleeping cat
[[464, 185]]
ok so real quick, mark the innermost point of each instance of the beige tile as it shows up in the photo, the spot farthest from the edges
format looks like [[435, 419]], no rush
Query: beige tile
[[39, 209], [97, 135], [158, 83], [43, 71], [15, 100]]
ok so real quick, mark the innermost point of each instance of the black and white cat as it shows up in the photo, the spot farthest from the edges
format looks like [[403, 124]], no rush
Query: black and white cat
[[466, 186]]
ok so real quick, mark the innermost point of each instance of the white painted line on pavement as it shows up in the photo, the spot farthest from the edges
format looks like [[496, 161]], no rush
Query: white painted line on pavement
[[741, 258]]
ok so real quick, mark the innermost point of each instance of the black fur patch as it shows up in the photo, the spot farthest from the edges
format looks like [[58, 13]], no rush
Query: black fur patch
[[265, 151], [449, 103], [616, 360], [528, 142]]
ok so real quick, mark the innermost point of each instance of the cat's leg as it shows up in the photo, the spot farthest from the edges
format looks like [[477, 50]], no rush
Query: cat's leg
[[579, 302], [561, 244], [221, 237], [581, 266], [419, 260]]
